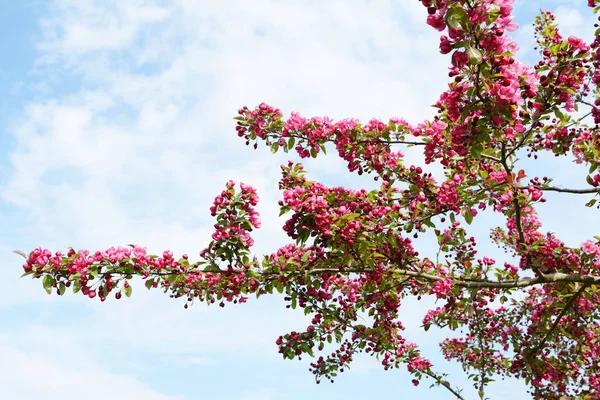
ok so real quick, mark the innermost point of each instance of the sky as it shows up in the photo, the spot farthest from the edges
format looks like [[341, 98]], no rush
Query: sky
[[116, 127]]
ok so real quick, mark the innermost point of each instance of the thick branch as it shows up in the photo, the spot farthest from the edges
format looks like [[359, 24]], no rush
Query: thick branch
[[557, 277], [476, 283]]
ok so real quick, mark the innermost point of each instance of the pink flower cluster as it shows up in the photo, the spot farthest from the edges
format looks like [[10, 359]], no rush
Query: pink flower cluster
[[442, 288], [231, 224], [418, 363]]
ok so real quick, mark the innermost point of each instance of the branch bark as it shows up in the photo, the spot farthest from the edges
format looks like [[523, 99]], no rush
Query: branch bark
[[557, 277]]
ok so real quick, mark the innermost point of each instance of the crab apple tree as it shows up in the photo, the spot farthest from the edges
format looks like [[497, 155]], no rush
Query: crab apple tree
[[351, 260]]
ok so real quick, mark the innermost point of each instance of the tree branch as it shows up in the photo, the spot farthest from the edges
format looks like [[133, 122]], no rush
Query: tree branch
[[477, 283], [517, 207], [562, 190], [562, 313], [439, 380], [364, 141], [557, 277]]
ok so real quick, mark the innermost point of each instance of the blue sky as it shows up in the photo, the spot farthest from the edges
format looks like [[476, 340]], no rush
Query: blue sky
[[116, 127]]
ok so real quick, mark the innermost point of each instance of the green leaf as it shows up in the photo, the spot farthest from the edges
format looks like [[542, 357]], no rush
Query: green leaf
[[461, 15], [476, 149], [127, 290], [350, 217], [305, 256], [475, 56], [453, 23], [47, 283], [506, 113], [302, 237], [468, 216], [76, 286], [62, 288], [429, 223], [456, 18], [27, 273], [492, 16], [559, 114], [279, 286], [212, 268], [590, 203], [589, 180], [149, 283]]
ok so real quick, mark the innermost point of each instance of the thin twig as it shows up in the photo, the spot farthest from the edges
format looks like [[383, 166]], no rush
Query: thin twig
[[562, 313], [444, 383], [562, 190]]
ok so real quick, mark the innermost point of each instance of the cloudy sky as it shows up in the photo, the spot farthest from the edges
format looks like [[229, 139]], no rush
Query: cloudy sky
[[116, 127]]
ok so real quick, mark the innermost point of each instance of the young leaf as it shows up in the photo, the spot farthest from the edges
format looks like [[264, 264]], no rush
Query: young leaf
[[149, 283], [475, 56], [468, 216], [47, 283]]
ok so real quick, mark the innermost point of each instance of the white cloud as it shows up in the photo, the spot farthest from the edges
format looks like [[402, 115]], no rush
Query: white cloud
[[85, 26], [26, 376]]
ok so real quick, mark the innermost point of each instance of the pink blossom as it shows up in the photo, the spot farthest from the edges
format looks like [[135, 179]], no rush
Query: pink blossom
[[418, 363], [589, 248], [436, 21]]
